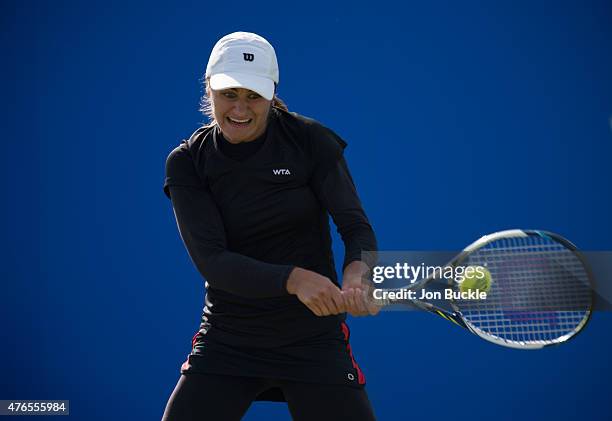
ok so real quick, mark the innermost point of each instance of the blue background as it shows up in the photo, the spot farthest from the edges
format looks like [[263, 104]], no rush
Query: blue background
[[462, 118]]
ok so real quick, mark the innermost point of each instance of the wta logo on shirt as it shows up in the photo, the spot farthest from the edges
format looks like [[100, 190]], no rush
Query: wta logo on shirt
[[281, 171]]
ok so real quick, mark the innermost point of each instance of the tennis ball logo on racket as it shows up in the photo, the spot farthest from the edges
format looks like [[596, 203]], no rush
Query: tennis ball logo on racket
[[476, 278]]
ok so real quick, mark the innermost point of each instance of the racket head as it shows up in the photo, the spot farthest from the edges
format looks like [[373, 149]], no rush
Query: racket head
[[541, 290]]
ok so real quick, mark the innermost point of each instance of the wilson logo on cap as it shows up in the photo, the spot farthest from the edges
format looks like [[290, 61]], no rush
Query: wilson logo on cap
[[248, 56]]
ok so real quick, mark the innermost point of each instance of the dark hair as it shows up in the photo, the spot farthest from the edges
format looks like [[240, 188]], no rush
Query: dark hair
[[206, 105]]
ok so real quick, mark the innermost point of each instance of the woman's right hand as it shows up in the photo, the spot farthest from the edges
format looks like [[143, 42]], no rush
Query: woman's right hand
[[317, 292]]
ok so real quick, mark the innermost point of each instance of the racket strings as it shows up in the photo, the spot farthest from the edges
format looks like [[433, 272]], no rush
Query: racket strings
[[540, 291]]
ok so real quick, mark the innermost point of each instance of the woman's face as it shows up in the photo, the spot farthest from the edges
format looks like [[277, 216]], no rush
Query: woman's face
[[241, 114]]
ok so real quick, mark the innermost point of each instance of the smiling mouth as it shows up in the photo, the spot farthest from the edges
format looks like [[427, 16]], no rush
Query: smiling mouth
[[239, 123]]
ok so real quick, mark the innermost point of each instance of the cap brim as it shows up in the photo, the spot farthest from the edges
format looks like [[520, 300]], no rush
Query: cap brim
[[263, 86]]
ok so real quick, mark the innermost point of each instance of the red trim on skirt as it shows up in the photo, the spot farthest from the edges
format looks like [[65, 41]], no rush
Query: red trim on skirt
[[347, 334]]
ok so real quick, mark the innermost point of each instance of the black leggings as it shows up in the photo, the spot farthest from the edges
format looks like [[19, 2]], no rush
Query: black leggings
[[205, 397]]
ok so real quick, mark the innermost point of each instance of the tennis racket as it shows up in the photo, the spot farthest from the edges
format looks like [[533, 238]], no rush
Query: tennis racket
[[540, 292]]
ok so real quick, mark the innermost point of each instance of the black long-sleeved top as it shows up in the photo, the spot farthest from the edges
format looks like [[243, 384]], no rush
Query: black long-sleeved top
[[249, 213]]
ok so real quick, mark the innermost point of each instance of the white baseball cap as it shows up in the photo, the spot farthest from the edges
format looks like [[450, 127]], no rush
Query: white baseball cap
[[243, 60]]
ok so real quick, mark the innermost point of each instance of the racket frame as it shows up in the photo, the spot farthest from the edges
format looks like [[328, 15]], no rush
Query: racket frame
[[457, 317]]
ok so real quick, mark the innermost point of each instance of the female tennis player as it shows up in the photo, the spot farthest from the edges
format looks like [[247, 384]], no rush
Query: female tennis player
[[251, 192]]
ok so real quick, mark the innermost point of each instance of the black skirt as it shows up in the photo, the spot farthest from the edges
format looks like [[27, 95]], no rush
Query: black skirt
[[326, 358]]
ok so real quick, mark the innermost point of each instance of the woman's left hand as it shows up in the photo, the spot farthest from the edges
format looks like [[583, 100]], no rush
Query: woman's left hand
[[358, 302], [357, 297]]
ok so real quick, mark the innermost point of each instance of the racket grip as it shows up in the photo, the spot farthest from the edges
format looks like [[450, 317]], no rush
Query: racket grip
[[368, 296]]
